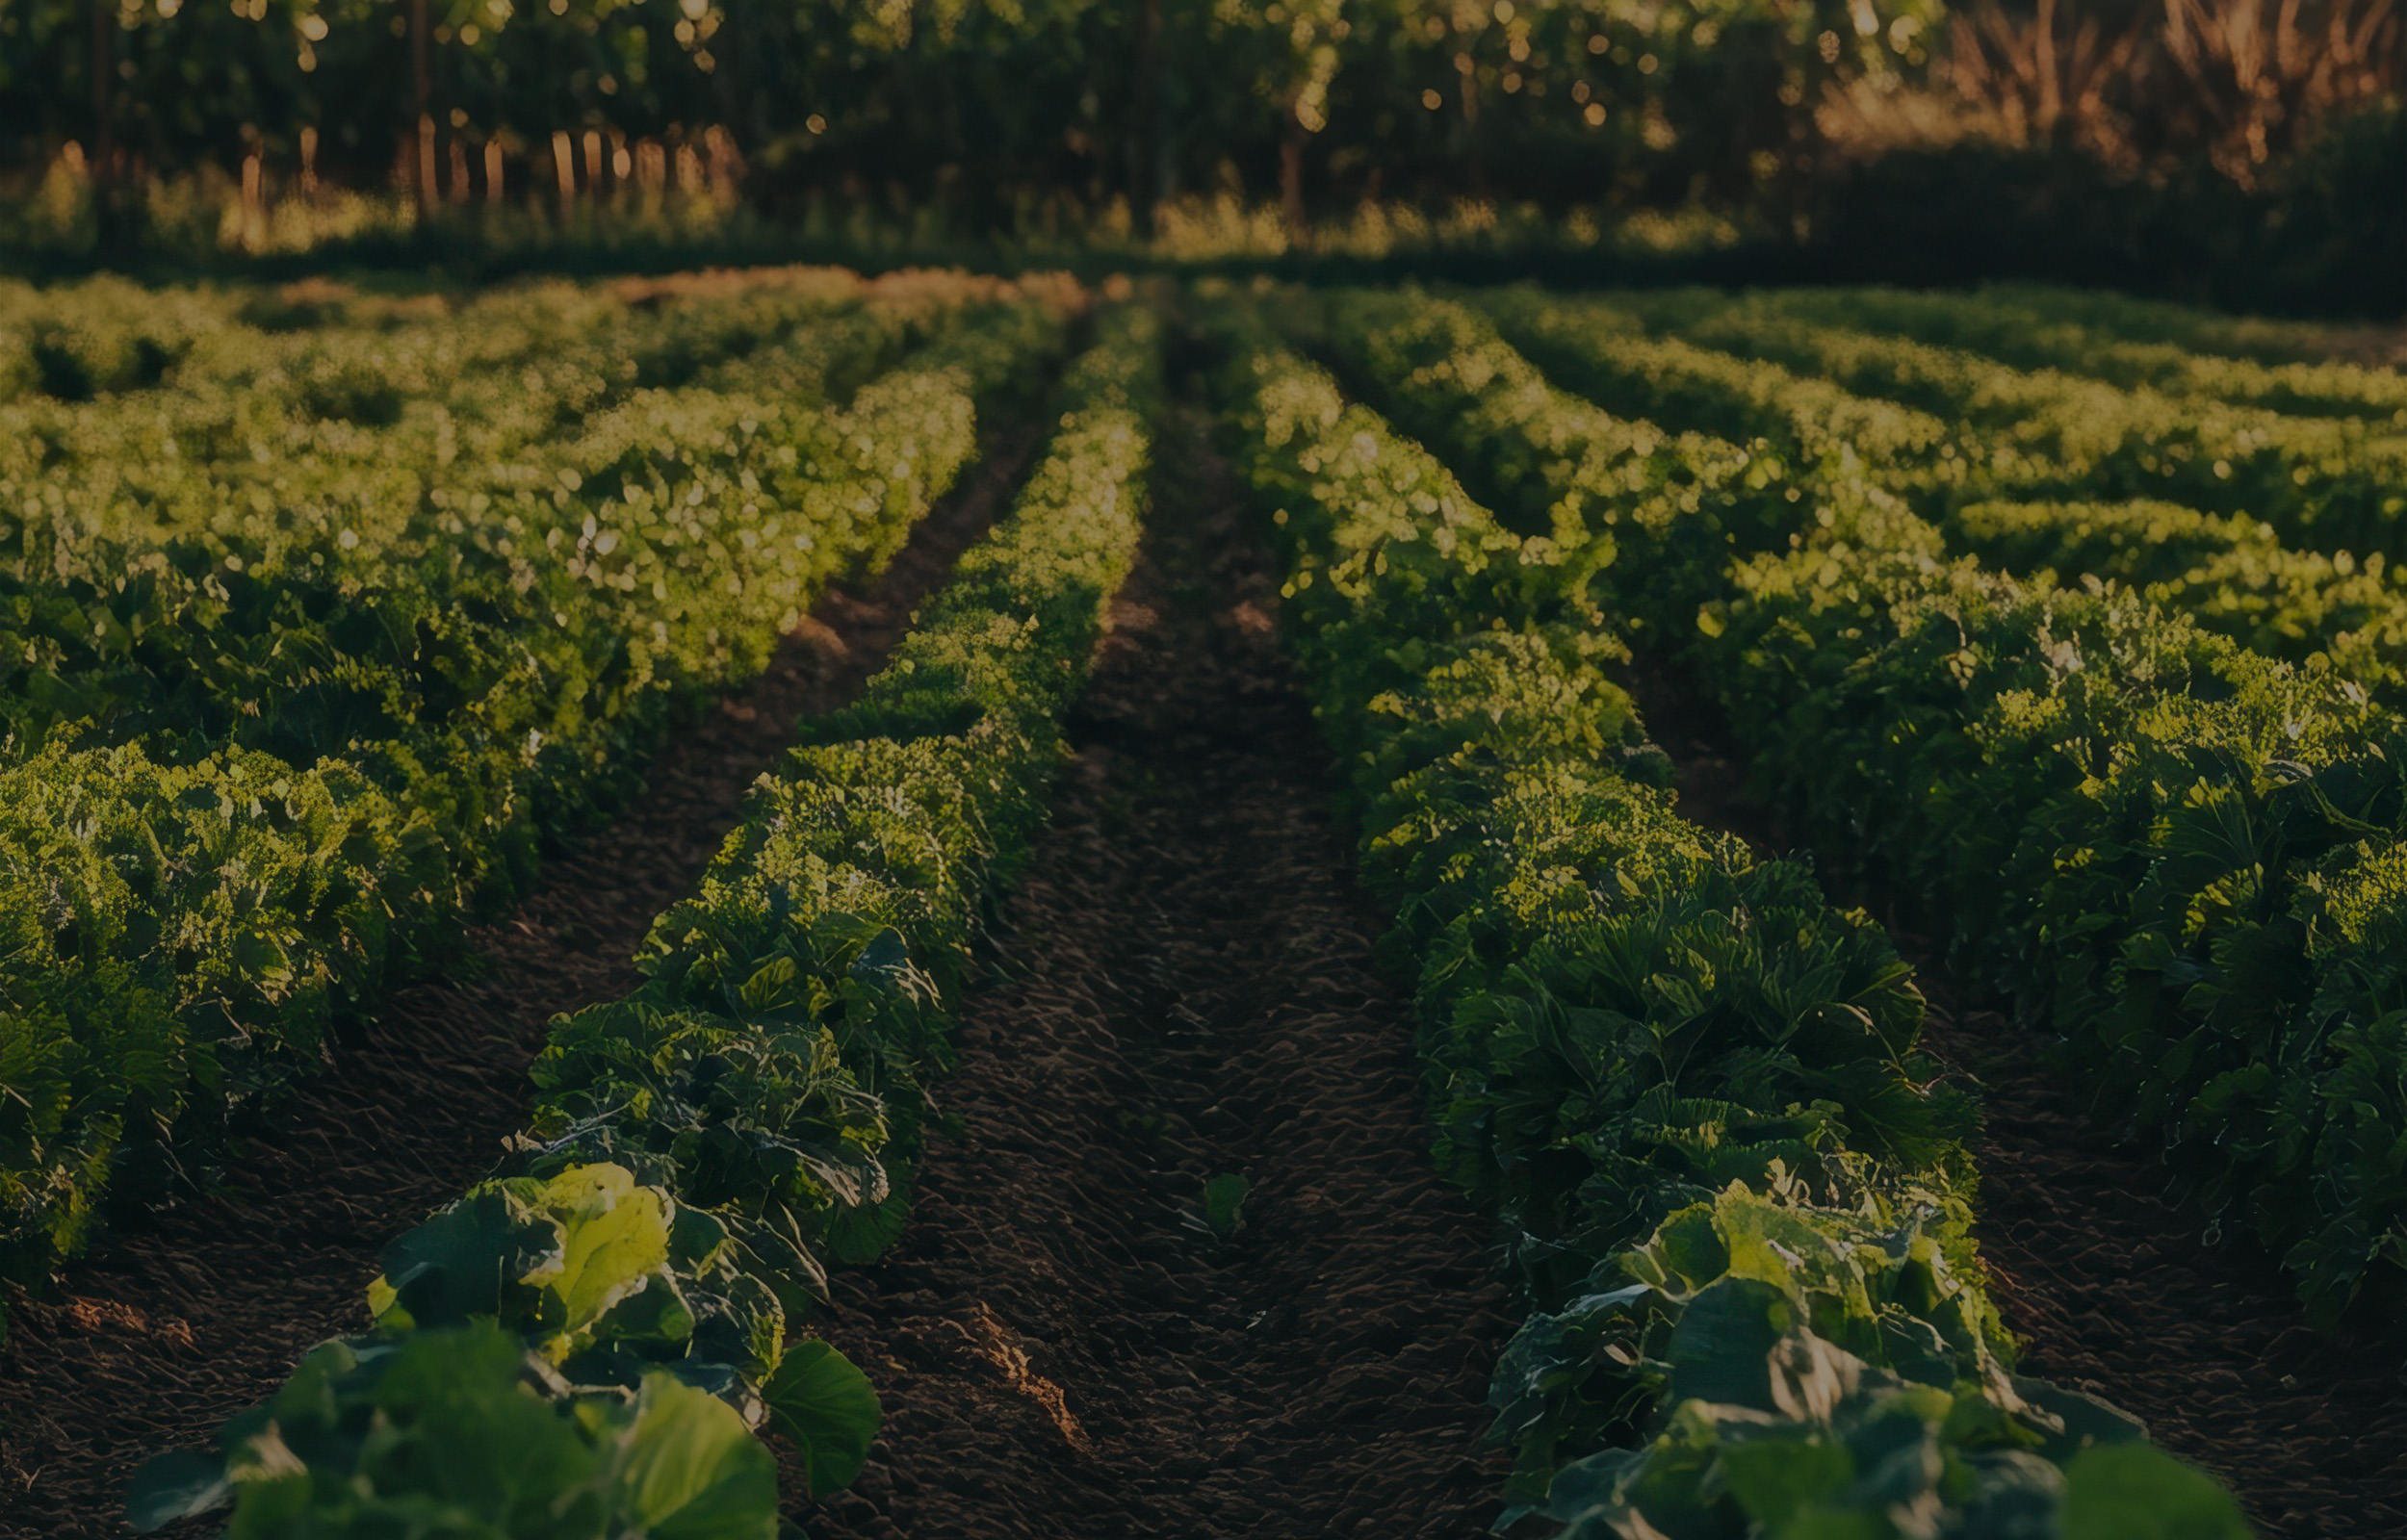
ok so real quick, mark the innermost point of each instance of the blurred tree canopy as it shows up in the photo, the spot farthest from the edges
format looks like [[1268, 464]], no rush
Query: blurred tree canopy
[[989, 108]]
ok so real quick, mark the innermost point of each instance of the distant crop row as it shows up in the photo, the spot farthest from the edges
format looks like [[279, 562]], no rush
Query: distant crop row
[[2231, 572], [2171, 350], [704, 1149], [1938, 422], [285, 694]]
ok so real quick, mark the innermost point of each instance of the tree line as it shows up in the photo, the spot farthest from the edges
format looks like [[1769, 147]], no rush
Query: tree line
[[986, 108]]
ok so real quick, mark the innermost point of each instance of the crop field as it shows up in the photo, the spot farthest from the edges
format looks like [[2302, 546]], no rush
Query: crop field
[[934, 907]]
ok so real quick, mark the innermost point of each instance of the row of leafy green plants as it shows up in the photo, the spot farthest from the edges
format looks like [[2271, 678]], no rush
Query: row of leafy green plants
[[1941, 425], [2233, 573], [345, 355], [260, 761], [579, 1346], [1694, 1088], [2138, 344], [2182, 853]]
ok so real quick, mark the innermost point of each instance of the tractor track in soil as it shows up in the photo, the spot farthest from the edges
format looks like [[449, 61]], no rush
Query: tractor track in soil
[[185, 1315], [1064, 1348], [2094, 1263]]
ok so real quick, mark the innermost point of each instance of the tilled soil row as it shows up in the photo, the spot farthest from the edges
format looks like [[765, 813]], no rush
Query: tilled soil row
[[2107, 1280], [2115, 1290], [1064, 1346], [185, 1316]]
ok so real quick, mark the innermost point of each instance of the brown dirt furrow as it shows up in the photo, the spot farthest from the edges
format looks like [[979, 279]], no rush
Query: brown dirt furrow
[[1064, 1348], [2115, 1290], [186, 1315], [2109, 1282]]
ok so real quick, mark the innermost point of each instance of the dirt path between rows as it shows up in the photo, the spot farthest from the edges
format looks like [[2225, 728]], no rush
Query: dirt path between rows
[[185, 1317], [1065, 1349], [2095, 1265]]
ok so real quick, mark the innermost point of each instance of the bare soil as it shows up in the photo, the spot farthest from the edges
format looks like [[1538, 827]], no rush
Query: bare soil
[[1064, 1346], [187, 1315]]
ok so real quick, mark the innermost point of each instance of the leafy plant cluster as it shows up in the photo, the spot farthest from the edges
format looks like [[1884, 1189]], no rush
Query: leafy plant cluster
[[1622, 492], [577, 1357], [2330, 480], [2233, 573], [266, 738], [323, 351], [2229, 573], [1690, 1085], [2177, 350], [2185, 852], [104, 334], [577, 1348]]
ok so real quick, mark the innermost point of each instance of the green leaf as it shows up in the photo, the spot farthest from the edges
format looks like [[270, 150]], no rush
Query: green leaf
[[2136, 1492], [1836, 1523], [169, 1487], [692, 1471], [658, 1311], [818, 1398], [861, 1234], [1224, 1204], [886, 955], [1721, 1351], [697, 1239], [458, 1425], [456, 1265], [2086, 1419], [616, 1239], [275, 1507], [771, 985], [1777, 1477], [1685, 1253]]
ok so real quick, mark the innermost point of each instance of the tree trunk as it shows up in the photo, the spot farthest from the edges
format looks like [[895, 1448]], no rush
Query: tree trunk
[[1145, 148], [1291, 175], [104, 147], [422, 118], [1474, 154], [732, 75], [2043, 63]]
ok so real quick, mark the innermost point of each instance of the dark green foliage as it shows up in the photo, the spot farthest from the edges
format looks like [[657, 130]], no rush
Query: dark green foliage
[[703, 1149], [1690, 1085], [279, 707], [2178, 850], [449, 1431]]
